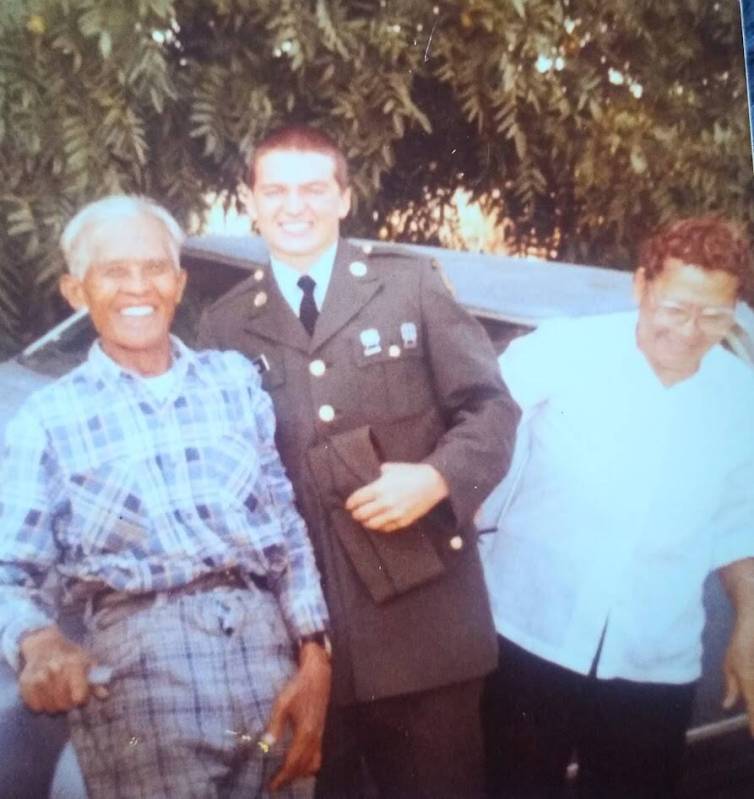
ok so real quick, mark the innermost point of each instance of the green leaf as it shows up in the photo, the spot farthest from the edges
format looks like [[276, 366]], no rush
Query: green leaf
[[93, 104], [105, 44], [638, 161]]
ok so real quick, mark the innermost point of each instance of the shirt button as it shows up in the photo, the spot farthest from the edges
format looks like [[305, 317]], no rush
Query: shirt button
[[317, 368], [394, 351], [456, 543], [326, 413]]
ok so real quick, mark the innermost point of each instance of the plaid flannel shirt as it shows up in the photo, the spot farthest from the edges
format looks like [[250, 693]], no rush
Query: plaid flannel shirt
[[101, 483]]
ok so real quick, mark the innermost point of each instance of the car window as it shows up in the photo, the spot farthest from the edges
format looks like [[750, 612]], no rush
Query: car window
[[207, 281]]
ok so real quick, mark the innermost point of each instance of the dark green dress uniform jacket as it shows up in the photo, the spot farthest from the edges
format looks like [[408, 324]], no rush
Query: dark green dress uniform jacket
[[391, 350]]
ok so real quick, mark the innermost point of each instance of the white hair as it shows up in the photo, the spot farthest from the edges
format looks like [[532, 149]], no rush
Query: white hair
[[118, 206]]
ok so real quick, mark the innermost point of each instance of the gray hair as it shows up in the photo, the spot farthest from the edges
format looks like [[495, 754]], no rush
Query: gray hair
[[117, 206]]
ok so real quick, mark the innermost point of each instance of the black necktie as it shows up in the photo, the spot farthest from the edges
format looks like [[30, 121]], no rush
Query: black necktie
[[308, 312]]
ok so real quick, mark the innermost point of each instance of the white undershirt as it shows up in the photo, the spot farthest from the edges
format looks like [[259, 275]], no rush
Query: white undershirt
[[320, 272], [160, 386]]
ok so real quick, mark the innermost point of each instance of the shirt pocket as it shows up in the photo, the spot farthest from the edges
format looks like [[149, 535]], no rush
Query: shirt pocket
[[227, 489], [229, 467], [394, 380], [108, 511]]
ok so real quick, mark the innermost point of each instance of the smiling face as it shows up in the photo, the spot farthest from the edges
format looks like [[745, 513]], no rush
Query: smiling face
[[131, 288], [683, 312], [297, 204]]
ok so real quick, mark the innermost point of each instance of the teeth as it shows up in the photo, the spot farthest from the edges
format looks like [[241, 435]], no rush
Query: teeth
[[138, 310], [296, 227]]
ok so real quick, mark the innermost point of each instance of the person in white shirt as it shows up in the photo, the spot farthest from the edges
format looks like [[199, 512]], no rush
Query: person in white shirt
[[637, 482]]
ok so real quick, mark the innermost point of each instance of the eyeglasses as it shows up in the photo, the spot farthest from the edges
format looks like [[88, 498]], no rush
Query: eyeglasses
[[712, 319]]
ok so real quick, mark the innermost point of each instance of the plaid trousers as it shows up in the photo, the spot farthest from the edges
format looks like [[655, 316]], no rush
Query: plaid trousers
[[194, 679]]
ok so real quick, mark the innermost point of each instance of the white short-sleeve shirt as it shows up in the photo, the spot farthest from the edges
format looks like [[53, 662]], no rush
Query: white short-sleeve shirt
[[630, 495]]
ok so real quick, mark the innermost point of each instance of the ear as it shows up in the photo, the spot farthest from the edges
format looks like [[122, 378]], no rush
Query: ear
[[246, 195], [640, 284], [182, 277], [345, 203], [72, 289]]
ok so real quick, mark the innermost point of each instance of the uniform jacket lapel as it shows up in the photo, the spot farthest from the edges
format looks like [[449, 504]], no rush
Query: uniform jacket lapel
[[273, 318], [349, 291]]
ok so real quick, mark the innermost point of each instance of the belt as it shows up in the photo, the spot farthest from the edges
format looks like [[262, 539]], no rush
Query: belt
[[230, 578]]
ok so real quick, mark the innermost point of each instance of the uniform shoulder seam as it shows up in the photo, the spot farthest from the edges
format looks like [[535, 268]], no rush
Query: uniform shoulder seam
[[389, 250]]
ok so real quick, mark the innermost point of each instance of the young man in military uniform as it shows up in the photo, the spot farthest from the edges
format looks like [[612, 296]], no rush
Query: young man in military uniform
[[393, 425]]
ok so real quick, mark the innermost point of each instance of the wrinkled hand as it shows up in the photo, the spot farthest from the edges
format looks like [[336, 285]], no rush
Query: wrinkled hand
[[739, 670], [303, 704], [403, 493], [54, 678]]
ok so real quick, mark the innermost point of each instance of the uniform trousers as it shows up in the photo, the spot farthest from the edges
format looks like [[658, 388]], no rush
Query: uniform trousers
[[426, 745], [628, 737], [194, 679]]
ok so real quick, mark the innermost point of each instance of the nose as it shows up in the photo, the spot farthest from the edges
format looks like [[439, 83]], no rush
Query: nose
[[135, 281], [691, 328], [294, 202]]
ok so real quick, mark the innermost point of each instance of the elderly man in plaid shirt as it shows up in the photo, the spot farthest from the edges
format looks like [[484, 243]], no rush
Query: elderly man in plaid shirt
[[147, 483]]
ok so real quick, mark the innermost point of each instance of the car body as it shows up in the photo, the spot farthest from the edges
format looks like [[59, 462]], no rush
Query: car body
[[509, 296]]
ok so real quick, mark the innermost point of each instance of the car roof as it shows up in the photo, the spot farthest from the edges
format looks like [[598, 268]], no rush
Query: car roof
[[515, 289], [520, 290]]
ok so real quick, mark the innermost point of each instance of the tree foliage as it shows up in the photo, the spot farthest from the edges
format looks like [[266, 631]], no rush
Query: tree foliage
[[582, 123]]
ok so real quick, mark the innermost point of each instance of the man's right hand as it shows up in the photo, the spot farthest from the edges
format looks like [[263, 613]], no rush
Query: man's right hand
[[302, 703], [54, 677], [403, 493]]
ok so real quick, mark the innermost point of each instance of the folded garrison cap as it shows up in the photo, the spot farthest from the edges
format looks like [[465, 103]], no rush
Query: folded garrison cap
[[388, 564]]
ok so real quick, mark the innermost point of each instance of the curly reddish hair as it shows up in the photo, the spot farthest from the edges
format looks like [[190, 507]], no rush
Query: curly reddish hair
[[301, 138], [709, 242]]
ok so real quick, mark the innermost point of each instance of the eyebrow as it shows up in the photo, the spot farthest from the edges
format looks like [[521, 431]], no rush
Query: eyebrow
[[116, 262], [684, 304], [308, 184]]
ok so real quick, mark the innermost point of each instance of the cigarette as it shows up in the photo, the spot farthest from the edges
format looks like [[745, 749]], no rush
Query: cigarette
[[266, 742]]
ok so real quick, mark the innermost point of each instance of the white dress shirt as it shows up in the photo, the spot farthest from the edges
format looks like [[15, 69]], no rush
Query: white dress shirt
[[631, 493], [320, 272]]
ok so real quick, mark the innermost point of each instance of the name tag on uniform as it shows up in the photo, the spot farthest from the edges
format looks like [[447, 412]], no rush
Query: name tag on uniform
[[261, 364]]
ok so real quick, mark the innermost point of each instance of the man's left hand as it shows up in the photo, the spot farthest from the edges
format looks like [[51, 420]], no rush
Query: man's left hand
[[303, 704], [739, 670], [403, 493]]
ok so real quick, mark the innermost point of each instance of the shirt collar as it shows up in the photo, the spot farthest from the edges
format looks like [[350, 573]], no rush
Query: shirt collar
[[183, 360], [320, 272]]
